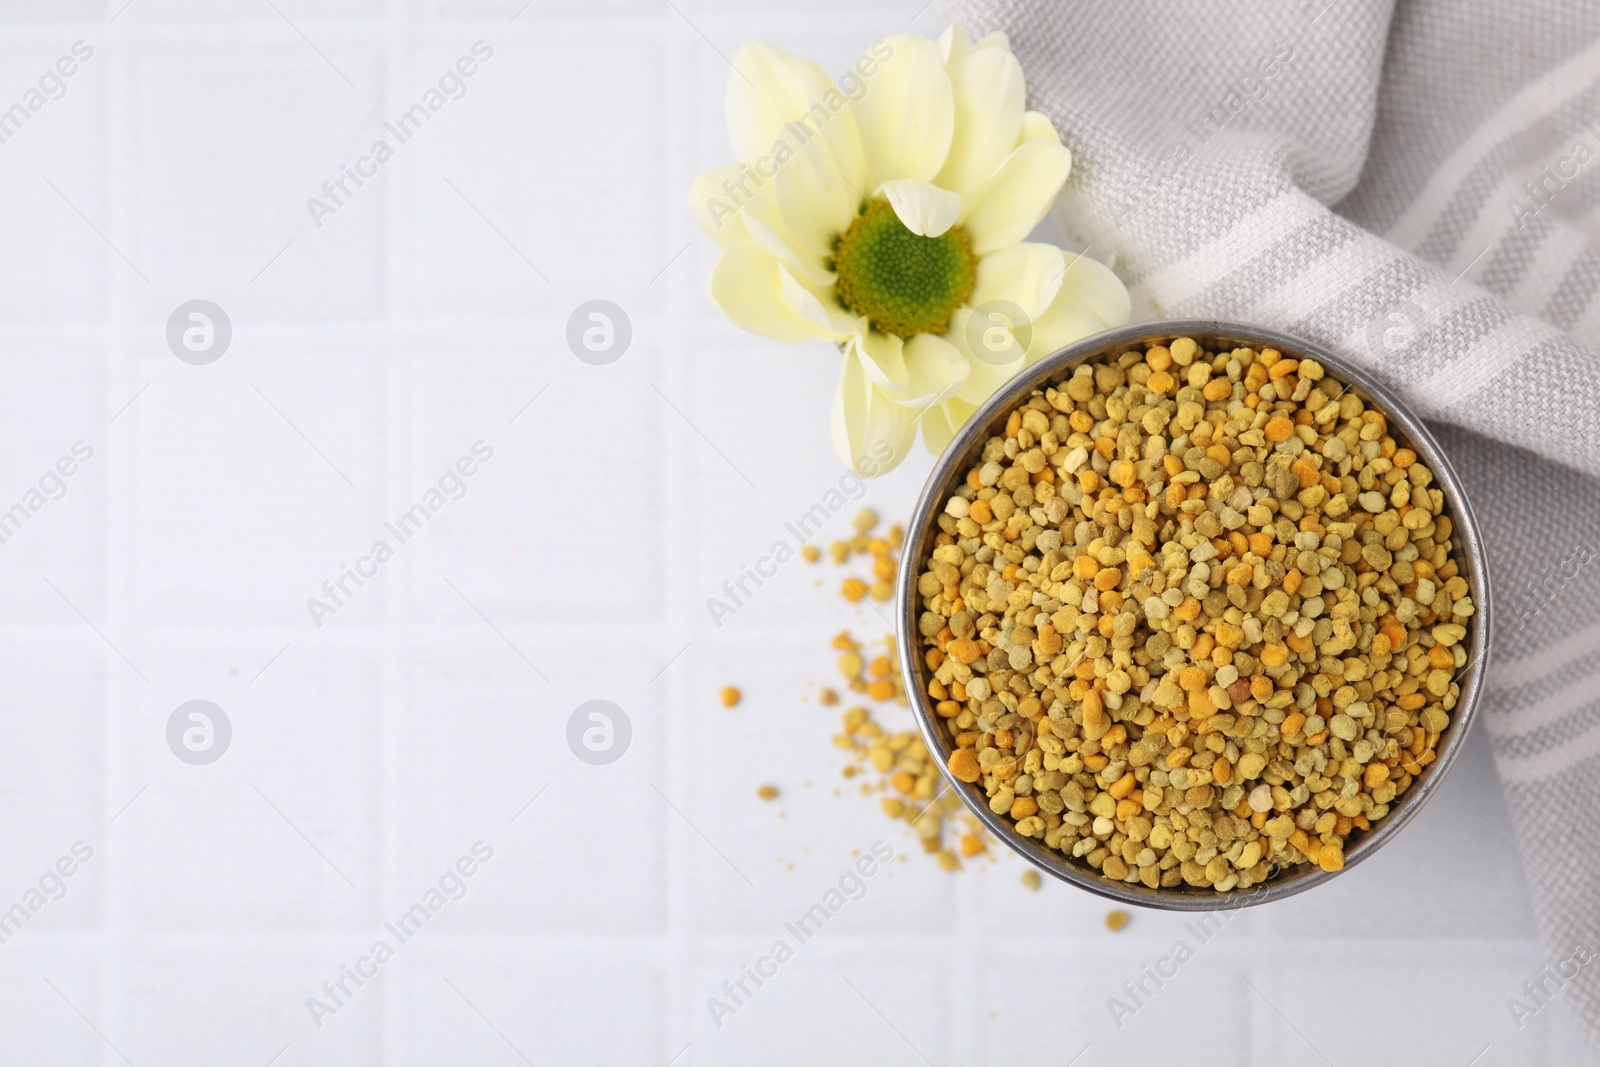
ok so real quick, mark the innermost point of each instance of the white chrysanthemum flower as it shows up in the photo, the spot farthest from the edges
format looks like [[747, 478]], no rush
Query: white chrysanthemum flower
[[887, 213]]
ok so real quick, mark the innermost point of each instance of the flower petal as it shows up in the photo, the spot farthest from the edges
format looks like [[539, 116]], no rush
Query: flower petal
[[939, 424], [816, 202], [716, 212], [988, 91], [1036, 126], [745, 285], [1097, 287], [768, 89], [990, 369], [882, 357], [906, 114], [954, 43], [935, 370], [1092, 299], [764, 220], [820, 307], [871, 433], [925, 208], [1006, 207], [1027, 274]]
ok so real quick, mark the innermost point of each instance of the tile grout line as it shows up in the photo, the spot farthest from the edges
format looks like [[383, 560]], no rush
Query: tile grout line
[[678, 1023], [121, 44], [400, 410]]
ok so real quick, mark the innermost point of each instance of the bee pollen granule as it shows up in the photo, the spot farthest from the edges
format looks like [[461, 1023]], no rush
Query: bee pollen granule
[[1193, 618]]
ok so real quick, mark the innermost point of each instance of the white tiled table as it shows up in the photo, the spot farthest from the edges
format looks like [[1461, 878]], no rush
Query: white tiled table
[[370, 753]]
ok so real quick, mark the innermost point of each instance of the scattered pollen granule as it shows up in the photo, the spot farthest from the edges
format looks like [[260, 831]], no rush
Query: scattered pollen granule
[[896, 765], [883, 551]]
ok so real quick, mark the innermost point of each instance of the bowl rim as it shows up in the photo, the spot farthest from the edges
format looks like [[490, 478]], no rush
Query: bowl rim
[[967, 444]]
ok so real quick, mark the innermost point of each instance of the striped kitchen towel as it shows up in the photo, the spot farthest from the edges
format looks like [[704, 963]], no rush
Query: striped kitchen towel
[[1417, 187]]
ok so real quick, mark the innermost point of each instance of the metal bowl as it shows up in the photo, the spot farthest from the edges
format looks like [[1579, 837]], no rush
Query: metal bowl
[[948, 472]]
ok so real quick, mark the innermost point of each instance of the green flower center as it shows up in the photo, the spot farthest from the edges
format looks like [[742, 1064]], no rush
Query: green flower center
[[903, 283]]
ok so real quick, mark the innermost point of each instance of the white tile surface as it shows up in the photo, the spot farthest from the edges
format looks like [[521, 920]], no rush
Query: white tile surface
[[217, 196], [44, 984], [57, 270], [430, 711], [482, 1003], [267, 464], [1455, 981]]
